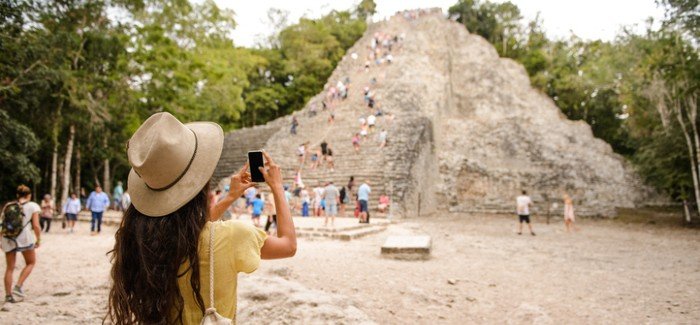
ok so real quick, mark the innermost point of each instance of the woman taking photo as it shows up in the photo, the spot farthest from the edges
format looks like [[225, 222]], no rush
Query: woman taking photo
[[162, 261]]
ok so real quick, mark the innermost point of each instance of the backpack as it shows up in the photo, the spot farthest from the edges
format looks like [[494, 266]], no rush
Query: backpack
[[12, 217]]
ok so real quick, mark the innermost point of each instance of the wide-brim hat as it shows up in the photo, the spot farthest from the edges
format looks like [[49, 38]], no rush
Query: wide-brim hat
[[171, 162]]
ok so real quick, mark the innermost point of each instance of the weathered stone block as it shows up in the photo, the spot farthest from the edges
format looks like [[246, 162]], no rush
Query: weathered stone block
[[407, 247]]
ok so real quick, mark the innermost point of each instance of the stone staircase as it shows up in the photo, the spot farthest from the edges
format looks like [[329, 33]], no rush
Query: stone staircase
[[238, 143], [276, 138]]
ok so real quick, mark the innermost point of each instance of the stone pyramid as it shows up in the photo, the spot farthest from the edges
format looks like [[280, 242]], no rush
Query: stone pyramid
[[469, 132]]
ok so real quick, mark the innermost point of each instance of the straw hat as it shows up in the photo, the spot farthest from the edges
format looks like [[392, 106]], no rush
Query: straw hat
[[171, 162]]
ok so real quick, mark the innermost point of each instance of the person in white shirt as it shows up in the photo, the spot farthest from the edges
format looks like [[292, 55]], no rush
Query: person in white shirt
[[371, 121], [25, 243], [71, 209], [523, 209], [318, 196], [305, 201]]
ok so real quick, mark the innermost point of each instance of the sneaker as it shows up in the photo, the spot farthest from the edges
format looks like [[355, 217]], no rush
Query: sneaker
[[17, 290], [10, 299], [532, 233]]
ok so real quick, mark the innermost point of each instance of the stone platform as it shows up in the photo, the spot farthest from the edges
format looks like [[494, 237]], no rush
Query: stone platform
[[344, 229], [407, 247]]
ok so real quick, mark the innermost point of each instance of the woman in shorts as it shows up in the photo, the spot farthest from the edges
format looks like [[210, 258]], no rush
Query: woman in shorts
[[71, 210], [24, 243]]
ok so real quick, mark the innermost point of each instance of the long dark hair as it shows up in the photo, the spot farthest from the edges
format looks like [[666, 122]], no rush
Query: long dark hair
[[146, 261]]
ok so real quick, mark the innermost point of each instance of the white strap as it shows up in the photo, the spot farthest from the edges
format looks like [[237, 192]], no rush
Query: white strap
[[211, 264]]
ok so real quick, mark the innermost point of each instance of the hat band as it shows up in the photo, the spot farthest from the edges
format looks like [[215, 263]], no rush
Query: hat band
[[183, 172]]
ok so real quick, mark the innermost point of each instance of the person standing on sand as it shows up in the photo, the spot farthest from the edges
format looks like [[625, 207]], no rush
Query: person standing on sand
[[331, 195], [523, 203], [71, 210], [344, 199], [170, 250], [305, 202], [97, 203], [25, 242], [569, 218], [126, 201], [271, 212], [117, 194], [363, 197], [318, 196], [48, 208], [258, 206]]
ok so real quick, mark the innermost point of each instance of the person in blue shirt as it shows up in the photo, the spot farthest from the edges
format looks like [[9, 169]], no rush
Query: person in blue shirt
[[97, 202], [363, 197], [258, 205]]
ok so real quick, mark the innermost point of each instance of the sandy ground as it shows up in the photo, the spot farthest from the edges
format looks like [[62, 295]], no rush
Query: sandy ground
[[609, 272]]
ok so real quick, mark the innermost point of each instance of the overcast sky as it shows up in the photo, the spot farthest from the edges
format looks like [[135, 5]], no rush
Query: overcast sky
[[590, 19]]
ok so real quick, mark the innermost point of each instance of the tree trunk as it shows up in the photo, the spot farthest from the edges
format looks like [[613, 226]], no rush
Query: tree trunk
[[54, 153], [691, 156], [76, 183], [106, 183], [686, 210], [66, 165], [693, 117], [54, 170], [106, 180], [59, 181]]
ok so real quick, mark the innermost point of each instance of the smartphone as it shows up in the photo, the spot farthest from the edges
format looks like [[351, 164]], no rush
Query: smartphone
[[255, 160]]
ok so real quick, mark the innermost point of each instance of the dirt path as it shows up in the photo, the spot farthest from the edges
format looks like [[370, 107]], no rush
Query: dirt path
[[607, 273]]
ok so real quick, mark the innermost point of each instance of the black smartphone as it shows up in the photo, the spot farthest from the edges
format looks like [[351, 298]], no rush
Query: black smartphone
[[255, 160]]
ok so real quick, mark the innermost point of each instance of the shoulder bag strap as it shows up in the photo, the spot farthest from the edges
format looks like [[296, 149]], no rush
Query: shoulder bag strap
[[211, 264]]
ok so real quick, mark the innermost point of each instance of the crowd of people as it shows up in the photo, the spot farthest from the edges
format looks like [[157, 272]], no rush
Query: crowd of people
[[324, 200], [97, 202], [374, 124]]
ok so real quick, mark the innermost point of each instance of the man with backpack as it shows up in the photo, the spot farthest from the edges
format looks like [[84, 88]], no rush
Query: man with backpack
[[17, 216]]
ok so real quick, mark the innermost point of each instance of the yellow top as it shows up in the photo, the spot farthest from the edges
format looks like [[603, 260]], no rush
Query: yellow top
[[236, 249]]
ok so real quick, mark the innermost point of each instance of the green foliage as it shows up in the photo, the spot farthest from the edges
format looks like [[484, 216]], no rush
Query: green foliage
[[663, 161], [71, 65], [17, 144], [296, 68], [685, 13]]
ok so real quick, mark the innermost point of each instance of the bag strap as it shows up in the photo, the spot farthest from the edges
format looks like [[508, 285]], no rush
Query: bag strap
[[211, 264]]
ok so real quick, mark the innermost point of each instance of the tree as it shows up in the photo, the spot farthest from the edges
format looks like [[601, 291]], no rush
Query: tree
[[366, 9], [17, 145]]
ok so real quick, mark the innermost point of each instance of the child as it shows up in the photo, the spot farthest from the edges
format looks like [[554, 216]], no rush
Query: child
[[258, 205]]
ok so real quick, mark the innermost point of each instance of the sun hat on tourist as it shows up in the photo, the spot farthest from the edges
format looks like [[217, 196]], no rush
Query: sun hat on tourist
[[171, 162]]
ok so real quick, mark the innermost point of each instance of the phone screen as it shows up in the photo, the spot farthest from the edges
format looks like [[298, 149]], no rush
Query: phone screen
[[255, 160]]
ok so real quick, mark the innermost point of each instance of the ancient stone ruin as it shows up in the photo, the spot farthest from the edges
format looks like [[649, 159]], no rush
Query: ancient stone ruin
[[469, 132]]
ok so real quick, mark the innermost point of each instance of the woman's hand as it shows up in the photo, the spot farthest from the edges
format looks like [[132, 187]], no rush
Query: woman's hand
[[272, 173], [240, 182]]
